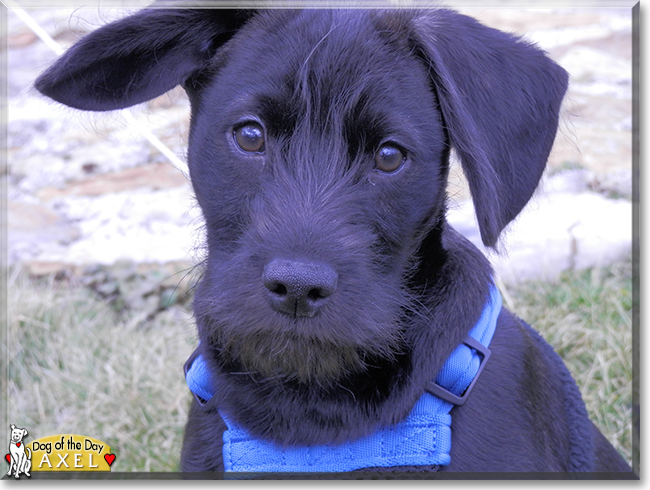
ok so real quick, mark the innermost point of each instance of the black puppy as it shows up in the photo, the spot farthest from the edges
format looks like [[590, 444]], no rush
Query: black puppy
[[334, 289]]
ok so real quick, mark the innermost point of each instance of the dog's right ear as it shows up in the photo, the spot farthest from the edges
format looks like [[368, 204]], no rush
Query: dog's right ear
[[138, 58]]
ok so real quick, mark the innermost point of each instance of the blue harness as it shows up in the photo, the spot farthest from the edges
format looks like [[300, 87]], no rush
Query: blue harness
[[422, 438]]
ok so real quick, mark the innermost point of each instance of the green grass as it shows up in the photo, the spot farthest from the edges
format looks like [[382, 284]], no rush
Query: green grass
[[79, 364], [586, 316]]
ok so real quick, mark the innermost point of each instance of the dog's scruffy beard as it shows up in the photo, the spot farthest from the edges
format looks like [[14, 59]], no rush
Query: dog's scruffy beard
[[289, 357]]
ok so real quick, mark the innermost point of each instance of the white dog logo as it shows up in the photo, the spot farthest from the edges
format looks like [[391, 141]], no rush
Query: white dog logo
[[21, 461]]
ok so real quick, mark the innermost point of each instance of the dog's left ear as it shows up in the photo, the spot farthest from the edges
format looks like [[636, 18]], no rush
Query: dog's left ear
[[139, 57], [500, 98]]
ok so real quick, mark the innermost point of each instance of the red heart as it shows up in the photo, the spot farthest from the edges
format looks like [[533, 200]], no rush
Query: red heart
[[18, 444], [109, 458], [8, 458]]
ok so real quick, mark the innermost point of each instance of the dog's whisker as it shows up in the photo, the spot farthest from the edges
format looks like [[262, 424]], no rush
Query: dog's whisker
[[348, 390]]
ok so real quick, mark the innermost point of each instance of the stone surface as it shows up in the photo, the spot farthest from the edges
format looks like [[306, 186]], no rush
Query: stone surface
[[153, 177], [33, 229], [564, 227], [140, 225]]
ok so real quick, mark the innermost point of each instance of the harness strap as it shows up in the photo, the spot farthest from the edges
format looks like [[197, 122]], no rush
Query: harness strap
[[422, 438]]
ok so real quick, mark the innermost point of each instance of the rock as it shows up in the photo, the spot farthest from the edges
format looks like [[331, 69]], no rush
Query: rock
[[33, 228], [566, 181], [616, 184], [50, 148], [58, 269], [588, 65], [556, 232], [600, 150], [154, 177], [138, 225], [21, 39]]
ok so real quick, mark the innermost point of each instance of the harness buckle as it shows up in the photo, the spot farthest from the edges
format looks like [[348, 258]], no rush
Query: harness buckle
[[186, 367], [446, 395]]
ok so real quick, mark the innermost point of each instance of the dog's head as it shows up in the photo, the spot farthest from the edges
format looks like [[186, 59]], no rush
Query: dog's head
[[318, 152], [17, 434]]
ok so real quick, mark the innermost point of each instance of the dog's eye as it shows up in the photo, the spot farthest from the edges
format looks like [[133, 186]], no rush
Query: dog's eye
[[389, 158], [250, 137]]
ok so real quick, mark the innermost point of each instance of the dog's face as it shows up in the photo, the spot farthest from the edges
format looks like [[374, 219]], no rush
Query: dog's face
[[319, 158], [318, 152], [17, 434]]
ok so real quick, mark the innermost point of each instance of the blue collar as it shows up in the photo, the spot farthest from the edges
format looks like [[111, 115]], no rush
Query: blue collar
[[422, 438]]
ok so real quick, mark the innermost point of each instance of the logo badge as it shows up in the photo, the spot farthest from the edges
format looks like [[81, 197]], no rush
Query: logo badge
[[63, 452], [19, 456]]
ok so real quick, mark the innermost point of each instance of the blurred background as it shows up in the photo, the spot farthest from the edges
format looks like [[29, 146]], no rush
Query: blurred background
[[104, 238]]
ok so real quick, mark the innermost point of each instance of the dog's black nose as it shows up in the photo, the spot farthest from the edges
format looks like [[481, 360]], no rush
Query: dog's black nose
[[299, 288]]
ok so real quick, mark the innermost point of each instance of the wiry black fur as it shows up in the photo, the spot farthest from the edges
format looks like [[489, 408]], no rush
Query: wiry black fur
[[329, 88]]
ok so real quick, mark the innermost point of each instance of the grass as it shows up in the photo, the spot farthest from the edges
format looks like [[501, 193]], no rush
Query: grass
[[586, 316], [80, 365]]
